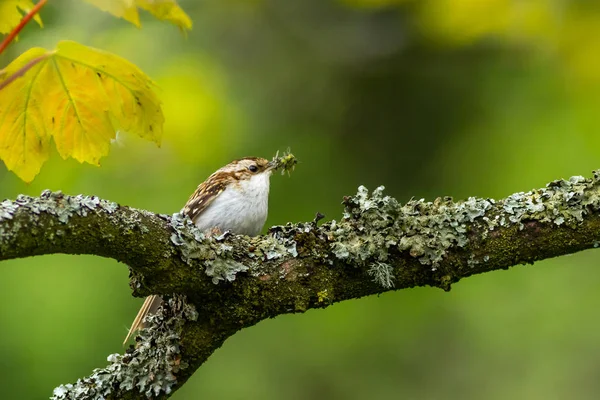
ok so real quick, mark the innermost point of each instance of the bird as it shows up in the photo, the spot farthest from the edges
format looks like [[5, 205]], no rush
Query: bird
[[234, 199]]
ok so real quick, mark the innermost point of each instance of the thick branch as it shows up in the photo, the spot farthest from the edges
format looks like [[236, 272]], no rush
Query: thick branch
[[379, 245]]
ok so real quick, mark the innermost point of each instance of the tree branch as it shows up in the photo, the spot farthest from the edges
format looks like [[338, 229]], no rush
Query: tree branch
[[379, 245]]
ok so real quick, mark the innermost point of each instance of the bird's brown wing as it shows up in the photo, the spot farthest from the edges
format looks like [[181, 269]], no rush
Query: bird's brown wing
[[150, 306], [203, 196]]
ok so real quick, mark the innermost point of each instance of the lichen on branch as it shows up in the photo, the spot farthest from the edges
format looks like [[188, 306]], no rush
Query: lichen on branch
[[427, 231], [236, 281], [149, 369]]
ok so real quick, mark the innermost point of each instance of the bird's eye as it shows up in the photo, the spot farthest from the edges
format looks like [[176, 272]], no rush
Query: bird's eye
[[253, 168]]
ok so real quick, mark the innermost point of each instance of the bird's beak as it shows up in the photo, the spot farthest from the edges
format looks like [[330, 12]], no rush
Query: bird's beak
[[272, 165]]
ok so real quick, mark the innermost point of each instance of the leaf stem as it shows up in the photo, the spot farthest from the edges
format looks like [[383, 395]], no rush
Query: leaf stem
[[21, 71], [21, 25]]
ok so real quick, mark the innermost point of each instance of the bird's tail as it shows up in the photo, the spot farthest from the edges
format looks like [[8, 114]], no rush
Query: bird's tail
[[150, 306]]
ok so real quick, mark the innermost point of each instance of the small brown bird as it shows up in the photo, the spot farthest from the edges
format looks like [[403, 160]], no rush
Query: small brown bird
[[235, 198]]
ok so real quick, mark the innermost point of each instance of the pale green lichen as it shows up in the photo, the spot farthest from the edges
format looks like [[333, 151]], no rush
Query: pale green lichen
[[61, 206], [55, 203], [375, 224], [382, 274], [279, 244], [561, 202], [189, 239], [218, 258], [223, 269], [150, 368], [7, 209]]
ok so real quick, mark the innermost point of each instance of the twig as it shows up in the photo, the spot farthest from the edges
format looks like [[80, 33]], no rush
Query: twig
[[21, 71], [8, 39]]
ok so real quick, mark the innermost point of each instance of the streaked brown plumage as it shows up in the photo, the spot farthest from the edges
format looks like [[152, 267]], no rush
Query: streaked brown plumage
[[208, 190], [234, 198]]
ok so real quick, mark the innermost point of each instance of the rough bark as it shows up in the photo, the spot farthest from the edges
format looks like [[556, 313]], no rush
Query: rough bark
[[379, 245]]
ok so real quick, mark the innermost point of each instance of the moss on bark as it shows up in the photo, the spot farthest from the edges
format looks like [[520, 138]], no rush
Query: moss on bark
[[236, 281]]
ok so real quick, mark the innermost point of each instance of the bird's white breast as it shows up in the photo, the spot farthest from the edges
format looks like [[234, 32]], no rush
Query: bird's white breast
[[241, 208]]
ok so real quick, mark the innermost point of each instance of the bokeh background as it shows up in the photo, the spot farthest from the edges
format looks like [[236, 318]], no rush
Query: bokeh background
[[429, 98]]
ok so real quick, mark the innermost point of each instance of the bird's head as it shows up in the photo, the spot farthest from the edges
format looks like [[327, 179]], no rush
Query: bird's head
[[247, 168]]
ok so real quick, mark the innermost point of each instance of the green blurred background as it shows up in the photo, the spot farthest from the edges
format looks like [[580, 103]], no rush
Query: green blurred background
[[429, 98]]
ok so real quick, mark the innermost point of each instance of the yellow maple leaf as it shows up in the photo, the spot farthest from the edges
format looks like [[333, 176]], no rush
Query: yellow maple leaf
[[165, 10], [11, 13], [79, 97]]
